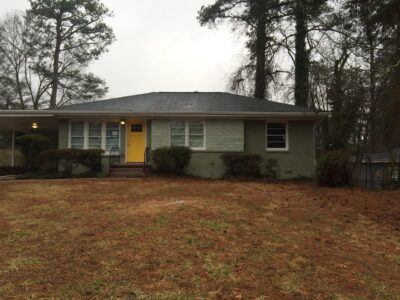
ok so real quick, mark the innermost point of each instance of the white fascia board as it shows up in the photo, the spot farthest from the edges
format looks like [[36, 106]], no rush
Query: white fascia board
[[65, 113]]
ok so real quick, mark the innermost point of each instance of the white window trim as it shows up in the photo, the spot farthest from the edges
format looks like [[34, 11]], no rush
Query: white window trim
[[286, 149], [86, 134], [187, 134]]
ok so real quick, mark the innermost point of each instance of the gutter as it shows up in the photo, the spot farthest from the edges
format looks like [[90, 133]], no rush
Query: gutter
[[60, 113]]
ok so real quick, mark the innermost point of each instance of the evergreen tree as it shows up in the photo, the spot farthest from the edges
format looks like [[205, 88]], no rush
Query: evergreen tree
[[68, 34]]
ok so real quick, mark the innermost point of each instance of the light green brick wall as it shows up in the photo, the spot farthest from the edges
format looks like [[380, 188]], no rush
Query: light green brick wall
[[221, 136], [225, 135]]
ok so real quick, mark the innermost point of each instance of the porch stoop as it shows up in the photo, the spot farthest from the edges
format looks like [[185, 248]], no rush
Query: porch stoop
[[127, 170]]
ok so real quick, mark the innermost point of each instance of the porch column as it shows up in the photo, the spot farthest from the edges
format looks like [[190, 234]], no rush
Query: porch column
[[13, 148]]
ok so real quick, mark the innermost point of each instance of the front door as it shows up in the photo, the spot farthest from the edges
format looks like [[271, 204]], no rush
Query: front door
[[136, 141]]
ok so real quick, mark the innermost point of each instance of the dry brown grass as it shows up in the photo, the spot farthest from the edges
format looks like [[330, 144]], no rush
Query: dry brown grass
[[160, 238]]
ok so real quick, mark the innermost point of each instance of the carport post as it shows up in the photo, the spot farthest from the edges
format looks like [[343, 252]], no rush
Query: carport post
[[13, 148]]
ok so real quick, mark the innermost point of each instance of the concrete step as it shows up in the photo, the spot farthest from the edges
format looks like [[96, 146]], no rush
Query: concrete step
[[126, 170], [128, 165], [127, 175]]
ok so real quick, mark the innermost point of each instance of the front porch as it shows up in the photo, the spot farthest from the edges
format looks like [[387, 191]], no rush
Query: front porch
[[125, 140]]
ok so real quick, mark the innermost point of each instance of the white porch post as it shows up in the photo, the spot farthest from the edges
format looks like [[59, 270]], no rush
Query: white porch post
[[13, 148]]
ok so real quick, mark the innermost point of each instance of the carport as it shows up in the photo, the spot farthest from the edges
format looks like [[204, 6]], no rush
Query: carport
[[41, 122]]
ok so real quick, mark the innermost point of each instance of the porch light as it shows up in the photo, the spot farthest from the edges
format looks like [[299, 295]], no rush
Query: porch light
[[122, 122], [35, 125]]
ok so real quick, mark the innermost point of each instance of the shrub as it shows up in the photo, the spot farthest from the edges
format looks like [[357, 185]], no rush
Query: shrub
[[242, 164], [69, 159], [333, 169], [172, 160], [92, 159], [271, 169], [30, 146], [49, 161]]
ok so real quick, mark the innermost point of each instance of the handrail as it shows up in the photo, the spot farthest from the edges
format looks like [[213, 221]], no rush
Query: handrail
[[114, 155], [146, 158]]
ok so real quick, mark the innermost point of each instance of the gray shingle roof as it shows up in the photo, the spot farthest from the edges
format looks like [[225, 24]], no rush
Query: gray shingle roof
[[178, 102]]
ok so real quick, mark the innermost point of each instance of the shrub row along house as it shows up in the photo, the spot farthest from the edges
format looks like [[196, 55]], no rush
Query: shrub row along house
[[211, 124]]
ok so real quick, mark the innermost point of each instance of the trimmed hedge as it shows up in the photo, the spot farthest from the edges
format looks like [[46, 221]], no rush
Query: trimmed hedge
[[91, 159], [242, 164], [69, 160], [31, 145], [171, 160], [271, 169], [334, 169]]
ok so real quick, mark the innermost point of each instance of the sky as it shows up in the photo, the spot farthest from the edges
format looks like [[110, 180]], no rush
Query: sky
[[161, 46]]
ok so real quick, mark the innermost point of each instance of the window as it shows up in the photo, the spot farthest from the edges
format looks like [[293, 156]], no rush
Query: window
[[196, 135], [137, 128], [178, 133], [112, 135], [188, 133], [95, 135], [77, 135], [277, 139], [394, 173]]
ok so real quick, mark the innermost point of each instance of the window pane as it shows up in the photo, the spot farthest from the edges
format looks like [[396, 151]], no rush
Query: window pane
[[77, 139], [77, 129], [94, 135], [276, 135], [112, 135], [276, 131], [196, 135], [137, 128], [178, 133], [177, 140], [276, 138], [95, 129], [178, 124], [196, 128], [77, 142], [196, 141], [95, 143]]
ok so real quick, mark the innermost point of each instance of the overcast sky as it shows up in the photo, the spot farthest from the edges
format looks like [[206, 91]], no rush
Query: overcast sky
[[161, 47]]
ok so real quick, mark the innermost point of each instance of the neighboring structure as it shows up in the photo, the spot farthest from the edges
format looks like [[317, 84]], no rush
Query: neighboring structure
[[210, 123], [378, 170]]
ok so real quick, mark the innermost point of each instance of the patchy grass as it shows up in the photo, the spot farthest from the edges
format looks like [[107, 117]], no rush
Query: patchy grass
[[158, 238]]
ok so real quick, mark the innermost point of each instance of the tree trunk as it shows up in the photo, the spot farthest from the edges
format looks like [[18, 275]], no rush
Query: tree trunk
[[261, 84], [302, 61], [56, 62], [19, 89]]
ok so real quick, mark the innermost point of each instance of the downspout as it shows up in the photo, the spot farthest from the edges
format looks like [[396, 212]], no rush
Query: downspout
[[13, 148]]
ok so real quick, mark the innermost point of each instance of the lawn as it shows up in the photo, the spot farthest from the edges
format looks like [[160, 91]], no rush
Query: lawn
[[157, 238]]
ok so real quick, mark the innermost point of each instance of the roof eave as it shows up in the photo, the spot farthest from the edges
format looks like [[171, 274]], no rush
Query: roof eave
[[60, 113]]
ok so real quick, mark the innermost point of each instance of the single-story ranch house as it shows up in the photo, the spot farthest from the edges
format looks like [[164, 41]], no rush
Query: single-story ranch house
[[211, 124]]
